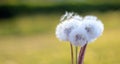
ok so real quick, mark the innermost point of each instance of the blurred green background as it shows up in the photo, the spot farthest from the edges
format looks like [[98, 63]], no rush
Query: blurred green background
[[27, 31]]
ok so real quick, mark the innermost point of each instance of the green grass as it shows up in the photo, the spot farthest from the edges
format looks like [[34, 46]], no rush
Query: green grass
[[42, 47]]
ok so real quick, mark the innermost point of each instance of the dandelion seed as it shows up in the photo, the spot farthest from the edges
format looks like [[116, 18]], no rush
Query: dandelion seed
[[66, 16]]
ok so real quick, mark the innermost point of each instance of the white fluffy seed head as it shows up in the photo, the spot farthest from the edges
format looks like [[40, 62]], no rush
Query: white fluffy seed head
[[65, 27], [78, 30], [93, 27], [78, 37]]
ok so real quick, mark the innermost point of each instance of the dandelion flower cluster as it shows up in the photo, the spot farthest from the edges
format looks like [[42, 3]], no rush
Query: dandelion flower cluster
[[79, 30]]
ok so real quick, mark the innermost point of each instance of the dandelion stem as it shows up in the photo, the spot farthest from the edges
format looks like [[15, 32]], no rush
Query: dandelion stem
[[76, 51], [72, 59], [81, 54]]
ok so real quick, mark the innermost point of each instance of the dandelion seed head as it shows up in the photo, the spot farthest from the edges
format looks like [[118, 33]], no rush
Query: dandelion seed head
[[79, 30], [64, 28], [94, 29], [78, 37]]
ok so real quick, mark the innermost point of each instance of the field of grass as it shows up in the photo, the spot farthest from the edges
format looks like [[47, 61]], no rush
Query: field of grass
[[31, 40]]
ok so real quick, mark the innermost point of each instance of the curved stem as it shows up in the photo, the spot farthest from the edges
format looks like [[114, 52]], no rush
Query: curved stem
[[72, 59], [81, 54]]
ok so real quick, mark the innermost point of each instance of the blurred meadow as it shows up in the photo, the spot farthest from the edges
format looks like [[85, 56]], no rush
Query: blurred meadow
[[27, 31]]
